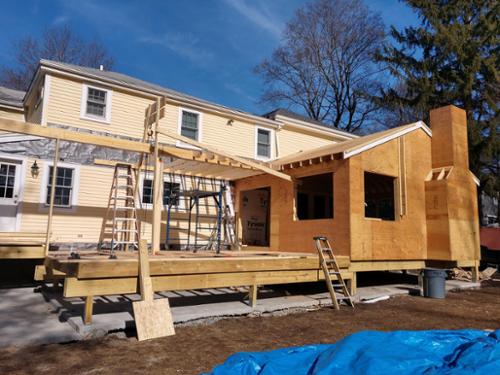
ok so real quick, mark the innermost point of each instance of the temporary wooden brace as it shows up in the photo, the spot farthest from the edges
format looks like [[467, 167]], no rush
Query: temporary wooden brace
[[153, 318], [157, 188], [51, 201], [331, 268]]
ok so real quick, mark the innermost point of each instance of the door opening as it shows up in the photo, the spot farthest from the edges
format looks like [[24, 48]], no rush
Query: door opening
[[255, 210]]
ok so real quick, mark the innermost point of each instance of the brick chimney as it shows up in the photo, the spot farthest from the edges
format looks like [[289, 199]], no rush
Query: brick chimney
[[449, 137]]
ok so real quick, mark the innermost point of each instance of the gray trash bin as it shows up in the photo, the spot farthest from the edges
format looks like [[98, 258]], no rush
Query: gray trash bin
[[434, 283]]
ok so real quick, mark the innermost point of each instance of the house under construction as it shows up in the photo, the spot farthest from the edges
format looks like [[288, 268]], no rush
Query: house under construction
[[93, 161]]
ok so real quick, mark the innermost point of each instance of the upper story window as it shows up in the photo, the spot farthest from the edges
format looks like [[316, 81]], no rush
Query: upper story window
[[263, 144], [64, 192], [190, 124], [96, 103]]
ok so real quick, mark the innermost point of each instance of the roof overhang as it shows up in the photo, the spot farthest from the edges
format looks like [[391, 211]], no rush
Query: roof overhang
[[347, 149]]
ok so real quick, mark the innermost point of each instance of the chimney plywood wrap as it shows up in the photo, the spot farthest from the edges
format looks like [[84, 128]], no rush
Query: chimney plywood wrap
[[451, 198]]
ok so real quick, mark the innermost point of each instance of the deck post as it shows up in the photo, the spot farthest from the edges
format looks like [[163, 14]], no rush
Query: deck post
[[252, 295], [352, 284], [89, 306], [157, 187], [52, 193], [475, 272]]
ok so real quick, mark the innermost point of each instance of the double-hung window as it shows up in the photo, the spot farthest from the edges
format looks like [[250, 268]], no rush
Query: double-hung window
[[263, 141], [190, 125], [64, 186], [96, 103]]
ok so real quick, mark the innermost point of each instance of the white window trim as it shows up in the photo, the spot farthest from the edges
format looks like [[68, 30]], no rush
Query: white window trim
[[271, 143], [45, 181], [166, 178], [83, 105], [179, 126]]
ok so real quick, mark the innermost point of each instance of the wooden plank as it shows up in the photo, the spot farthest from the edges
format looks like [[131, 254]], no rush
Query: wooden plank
[[153, 318], [214, 150], [43, 273], [22, 251], [74, 287], [86, 269], [157, 189], [386, 265], [52, 194], [21, 127], [89, 305]]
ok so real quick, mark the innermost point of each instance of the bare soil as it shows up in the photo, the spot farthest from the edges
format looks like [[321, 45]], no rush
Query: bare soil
[[195, 349]]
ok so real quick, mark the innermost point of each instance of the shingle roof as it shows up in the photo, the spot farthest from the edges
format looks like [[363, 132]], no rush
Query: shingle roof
[[11, 97], [128, 81], [290, 114]]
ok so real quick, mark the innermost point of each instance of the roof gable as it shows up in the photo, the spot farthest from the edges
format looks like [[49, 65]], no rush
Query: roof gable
[[355, 146]]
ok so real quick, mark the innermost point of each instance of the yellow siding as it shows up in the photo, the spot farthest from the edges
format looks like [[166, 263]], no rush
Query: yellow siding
[[12, 115], [83, 223], [293, 141]]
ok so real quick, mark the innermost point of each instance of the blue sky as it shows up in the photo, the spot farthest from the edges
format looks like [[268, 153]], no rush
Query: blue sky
[[206, 48]]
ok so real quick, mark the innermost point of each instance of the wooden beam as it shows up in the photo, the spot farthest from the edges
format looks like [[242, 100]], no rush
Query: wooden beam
[[386, 265], [52, 193], [14, 126], [157, 189], [89, 306], [18, 251], [74, 287], [214, 150]]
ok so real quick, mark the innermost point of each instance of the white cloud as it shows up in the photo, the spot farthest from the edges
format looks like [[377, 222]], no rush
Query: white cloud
[[185, 45], [60, 20], [259, 16]]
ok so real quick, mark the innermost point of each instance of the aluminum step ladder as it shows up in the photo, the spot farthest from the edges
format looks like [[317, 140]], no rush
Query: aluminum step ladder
[[123, 233], [331, 270]]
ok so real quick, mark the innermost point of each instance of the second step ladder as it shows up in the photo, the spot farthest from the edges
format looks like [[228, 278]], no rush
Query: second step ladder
[[333, 277]]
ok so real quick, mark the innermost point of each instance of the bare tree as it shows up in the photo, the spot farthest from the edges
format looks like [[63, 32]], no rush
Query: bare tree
[[325, 63], [58, 44]]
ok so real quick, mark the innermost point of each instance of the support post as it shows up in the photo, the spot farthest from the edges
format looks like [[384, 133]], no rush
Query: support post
[[89, 307], [157, 187], [51, 201], [352, 284], [475, 272], [252, 295]]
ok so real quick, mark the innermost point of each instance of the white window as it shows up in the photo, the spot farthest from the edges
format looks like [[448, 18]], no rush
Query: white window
[[96, 104], [66, 187], [263, 143], [190, 124]]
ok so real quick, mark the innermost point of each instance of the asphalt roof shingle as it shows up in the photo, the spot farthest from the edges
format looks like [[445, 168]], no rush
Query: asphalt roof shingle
[[11, 97]]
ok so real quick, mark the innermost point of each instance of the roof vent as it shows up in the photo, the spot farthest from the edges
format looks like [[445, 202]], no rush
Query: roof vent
[[101, 67]]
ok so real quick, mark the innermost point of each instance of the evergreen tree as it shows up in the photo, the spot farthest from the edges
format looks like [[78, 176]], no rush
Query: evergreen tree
[[452, 57]]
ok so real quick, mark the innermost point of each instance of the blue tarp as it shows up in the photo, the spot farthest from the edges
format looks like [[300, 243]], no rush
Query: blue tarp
[[370, 352]]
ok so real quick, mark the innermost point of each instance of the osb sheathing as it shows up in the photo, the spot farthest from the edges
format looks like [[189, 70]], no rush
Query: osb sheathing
[[349, 231], [452, 212]]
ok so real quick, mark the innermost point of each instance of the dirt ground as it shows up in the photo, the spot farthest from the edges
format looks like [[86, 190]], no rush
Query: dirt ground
[[196, 349]]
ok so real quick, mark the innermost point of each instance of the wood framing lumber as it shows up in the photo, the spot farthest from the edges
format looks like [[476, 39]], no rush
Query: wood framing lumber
[[21, 251], [252, 295], [153, 318], [157, 188], [74, 287], [89, 306], [21, 127], [386, 265], [110, 268], [52, 194], [243, 161]]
